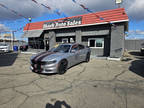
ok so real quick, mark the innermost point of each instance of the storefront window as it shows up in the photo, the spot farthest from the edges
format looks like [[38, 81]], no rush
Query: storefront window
[[92, 43], [99, 43], [65, 40], [96, 42], [36, 43], [71, 40]]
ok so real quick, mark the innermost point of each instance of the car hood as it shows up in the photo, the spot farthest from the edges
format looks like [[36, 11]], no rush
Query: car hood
[[53, 56], [47, 56]]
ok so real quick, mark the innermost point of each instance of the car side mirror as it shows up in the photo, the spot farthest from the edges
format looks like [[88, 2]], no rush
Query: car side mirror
[[73, 51]]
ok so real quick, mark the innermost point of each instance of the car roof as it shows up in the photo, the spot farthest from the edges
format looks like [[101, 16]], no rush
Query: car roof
[[69, 44]]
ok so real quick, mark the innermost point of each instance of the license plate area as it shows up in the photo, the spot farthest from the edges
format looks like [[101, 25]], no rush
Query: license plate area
[[36, 67]]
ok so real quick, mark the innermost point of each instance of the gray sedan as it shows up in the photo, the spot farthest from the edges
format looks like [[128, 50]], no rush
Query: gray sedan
[[59, 59]]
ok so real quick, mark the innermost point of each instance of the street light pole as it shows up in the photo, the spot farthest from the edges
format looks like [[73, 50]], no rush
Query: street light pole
[[12, 35], [119, 5], [118, 2]]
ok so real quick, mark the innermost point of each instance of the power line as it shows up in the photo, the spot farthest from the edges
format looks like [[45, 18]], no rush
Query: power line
[[90, 11], [48, 7], [13, 11]]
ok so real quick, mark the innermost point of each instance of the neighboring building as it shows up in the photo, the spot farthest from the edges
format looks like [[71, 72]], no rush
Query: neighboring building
[[7, 39], [103, 32], [134, 44]]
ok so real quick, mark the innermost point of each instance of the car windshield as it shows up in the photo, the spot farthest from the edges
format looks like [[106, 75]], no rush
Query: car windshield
[[62, 48]]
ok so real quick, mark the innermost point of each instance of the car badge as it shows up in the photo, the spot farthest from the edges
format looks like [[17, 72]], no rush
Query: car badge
[[35, 65]]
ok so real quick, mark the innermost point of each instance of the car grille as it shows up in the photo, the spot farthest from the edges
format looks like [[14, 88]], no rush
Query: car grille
[[38, 62], [37, 65]]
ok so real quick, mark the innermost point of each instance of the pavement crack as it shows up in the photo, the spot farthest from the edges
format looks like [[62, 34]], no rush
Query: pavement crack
[[56, 91], [116, 92], [116, 76], [23, 102], [121, 96], [84, 68], [22, 84], [8, 100], [126, 103], [20, 92], [14, 74], [38, 86], [62, 90]]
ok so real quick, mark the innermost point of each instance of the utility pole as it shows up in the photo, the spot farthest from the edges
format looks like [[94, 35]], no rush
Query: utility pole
[[118, 2], [12, 35]]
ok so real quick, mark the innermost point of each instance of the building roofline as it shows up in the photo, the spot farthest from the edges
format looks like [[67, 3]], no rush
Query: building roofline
[[83, 25], [119, 15]]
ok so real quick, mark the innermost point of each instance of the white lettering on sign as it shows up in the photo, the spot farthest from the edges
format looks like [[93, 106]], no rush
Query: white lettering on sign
[[63, 23]]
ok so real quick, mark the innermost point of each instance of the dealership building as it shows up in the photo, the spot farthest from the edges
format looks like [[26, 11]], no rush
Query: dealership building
[[103, 32]]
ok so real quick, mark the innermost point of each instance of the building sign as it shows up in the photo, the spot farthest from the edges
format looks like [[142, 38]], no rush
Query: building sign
[[7, 35], [63, 23]]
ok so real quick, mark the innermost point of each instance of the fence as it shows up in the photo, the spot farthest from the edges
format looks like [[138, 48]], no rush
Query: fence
[[134, 44]]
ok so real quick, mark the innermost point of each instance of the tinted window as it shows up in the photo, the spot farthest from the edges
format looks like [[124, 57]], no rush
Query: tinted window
[[92, 43], [75, 47], [99, 43], [62, 48], [96, 42], [81, 47]]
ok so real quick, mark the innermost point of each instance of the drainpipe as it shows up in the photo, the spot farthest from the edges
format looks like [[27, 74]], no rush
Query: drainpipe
[[12, 43]]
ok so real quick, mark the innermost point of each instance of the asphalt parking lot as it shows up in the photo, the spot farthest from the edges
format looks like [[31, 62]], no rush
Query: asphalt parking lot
[[97, 84]]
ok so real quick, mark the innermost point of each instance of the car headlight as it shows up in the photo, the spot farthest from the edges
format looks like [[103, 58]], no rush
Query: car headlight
[[51, 62]]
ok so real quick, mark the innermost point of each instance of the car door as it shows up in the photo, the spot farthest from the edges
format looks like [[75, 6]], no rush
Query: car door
[[74, 55], [81, 52]]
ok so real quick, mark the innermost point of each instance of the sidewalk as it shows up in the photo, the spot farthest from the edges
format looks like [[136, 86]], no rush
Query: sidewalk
[[32, 51]]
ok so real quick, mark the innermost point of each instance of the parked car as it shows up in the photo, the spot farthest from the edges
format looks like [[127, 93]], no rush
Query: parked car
[[142, 51], [59, 59], [23, 47], [4, 48]]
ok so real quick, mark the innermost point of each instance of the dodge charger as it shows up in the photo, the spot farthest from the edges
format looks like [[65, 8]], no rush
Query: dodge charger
[[59, 59]]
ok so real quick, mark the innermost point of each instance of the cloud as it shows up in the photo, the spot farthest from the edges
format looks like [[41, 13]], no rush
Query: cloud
[[139, 32], [136, 32], [3, 28], [71, 8], [134, 8], [24, 7]]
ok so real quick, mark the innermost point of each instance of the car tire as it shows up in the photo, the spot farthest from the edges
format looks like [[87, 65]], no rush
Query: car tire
[[62, 67], [87, 57]]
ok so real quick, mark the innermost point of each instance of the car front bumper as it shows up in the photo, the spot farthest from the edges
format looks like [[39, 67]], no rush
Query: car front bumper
[[52, 68]]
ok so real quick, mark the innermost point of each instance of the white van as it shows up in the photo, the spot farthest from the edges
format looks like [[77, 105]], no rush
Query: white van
[[4, 47]]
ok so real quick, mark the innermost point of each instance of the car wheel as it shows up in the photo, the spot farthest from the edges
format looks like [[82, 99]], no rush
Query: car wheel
[[62, 67], [87, 57]]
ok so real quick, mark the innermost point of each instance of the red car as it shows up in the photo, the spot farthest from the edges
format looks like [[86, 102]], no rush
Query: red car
[[24, 47]]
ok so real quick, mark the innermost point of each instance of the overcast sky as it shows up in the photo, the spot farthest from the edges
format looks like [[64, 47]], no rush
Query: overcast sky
[[3, 28], [27, 8]]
